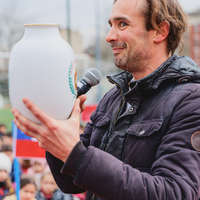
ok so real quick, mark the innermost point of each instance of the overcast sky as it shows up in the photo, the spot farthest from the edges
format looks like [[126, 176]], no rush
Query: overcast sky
[[190, 5], [83, 13]]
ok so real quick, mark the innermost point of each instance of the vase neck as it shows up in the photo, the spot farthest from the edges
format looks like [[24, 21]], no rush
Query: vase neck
[[43, 31]]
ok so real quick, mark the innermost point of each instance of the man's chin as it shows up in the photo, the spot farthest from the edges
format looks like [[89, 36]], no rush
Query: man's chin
[[118, 60], [120, 66]]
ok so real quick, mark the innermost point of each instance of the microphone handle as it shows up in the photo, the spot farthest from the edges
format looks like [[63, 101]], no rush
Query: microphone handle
[[83, 87]]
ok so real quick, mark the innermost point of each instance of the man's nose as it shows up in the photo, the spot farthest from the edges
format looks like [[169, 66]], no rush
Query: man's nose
[[111, 36]]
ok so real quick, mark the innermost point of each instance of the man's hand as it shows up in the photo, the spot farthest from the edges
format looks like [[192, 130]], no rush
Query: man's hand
[[56, 136], [82, 98]]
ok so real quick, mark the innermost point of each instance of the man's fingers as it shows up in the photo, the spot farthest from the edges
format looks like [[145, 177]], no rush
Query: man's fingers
[[82, 98], [24, 123], [19, 126], [39, 114], [25, 130]]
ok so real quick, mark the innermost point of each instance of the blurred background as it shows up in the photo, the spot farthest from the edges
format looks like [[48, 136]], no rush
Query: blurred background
[[84, 25]]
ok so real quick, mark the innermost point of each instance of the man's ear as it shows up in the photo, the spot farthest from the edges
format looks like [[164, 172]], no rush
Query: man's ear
[[162, 32]]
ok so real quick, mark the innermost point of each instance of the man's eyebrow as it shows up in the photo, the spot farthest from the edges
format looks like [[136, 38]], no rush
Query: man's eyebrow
[[117, 19]]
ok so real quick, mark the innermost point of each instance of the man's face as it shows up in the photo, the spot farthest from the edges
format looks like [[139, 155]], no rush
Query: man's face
[[130, 41]]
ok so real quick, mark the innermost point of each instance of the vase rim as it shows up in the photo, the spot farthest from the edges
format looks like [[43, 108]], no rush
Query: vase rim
[[55, 25]]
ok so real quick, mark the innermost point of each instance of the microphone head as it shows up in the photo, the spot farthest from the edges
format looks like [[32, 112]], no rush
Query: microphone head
[[92, 76]]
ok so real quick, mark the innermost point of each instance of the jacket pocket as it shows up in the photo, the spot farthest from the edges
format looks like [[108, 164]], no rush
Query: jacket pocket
[[142, 142], [145, 128]]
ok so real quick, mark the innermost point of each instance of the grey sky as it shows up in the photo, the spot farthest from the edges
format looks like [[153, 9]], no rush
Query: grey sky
[[82, 11], [190, 5], [54, 11]]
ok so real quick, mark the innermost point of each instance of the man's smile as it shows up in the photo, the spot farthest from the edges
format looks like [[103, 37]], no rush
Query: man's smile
[[117, 50]]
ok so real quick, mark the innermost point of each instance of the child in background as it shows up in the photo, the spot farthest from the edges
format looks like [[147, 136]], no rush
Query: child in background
[[49, 190], [5, 182], [37, 169], [28, 190], [25, 165], [7, 149], [7, 138], [3, 129]]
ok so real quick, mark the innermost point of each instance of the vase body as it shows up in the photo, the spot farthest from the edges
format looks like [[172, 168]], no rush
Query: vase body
[[42, 69]]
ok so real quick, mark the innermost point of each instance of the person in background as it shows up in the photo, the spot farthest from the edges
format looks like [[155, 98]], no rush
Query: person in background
[[28, 189], [5, 182], [7, 138], [1, 141], [7, 149], [38, 167], [49, 190], [3, 129], [25, 165]]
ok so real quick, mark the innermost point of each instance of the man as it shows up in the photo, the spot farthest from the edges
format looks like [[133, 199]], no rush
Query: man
[[138, 144]]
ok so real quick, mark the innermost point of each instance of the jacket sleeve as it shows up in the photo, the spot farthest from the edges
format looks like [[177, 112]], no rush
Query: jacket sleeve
[[65, 182], [174, 173]]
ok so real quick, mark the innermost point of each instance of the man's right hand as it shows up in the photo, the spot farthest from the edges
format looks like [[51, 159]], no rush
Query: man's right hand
[[56, 136], [82, 98]]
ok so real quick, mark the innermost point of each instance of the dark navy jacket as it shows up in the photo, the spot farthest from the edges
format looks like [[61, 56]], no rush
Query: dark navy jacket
[[143, 152]]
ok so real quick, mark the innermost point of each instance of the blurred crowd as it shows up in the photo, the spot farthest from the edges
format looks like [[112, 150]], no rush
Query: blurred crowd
[[36, 180]]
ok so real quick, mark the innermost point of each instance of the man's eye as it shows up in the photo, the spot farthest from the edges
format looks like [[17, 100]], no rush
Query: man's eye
[[122, 24]]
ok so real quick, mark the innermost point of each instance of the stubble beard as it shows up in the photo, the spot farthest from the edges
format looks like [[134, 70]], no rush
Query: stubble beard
[[121, 62], [134, 62]]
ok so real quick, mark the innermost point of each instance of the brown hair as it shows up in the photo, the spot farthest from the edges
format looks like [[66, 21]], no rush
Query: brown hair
[[25, 180], [170, 11]]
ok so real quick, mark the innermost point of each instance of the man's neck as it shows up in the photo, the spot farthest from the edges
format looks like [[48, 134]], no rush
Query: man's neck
[[150, 66]]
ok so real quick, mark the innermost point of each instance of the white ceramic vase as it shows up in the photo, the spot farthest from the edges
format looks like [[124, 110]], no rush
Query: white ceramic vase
[[41, 69]]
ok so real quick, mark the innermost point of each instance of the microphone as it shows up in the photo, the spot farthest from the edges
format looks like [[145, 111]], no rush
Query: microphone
[[91, 78]]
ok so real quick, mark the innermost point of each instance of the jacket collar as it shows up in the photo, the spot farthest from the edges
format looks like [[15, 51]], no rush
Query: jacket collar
[[175, 69]]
